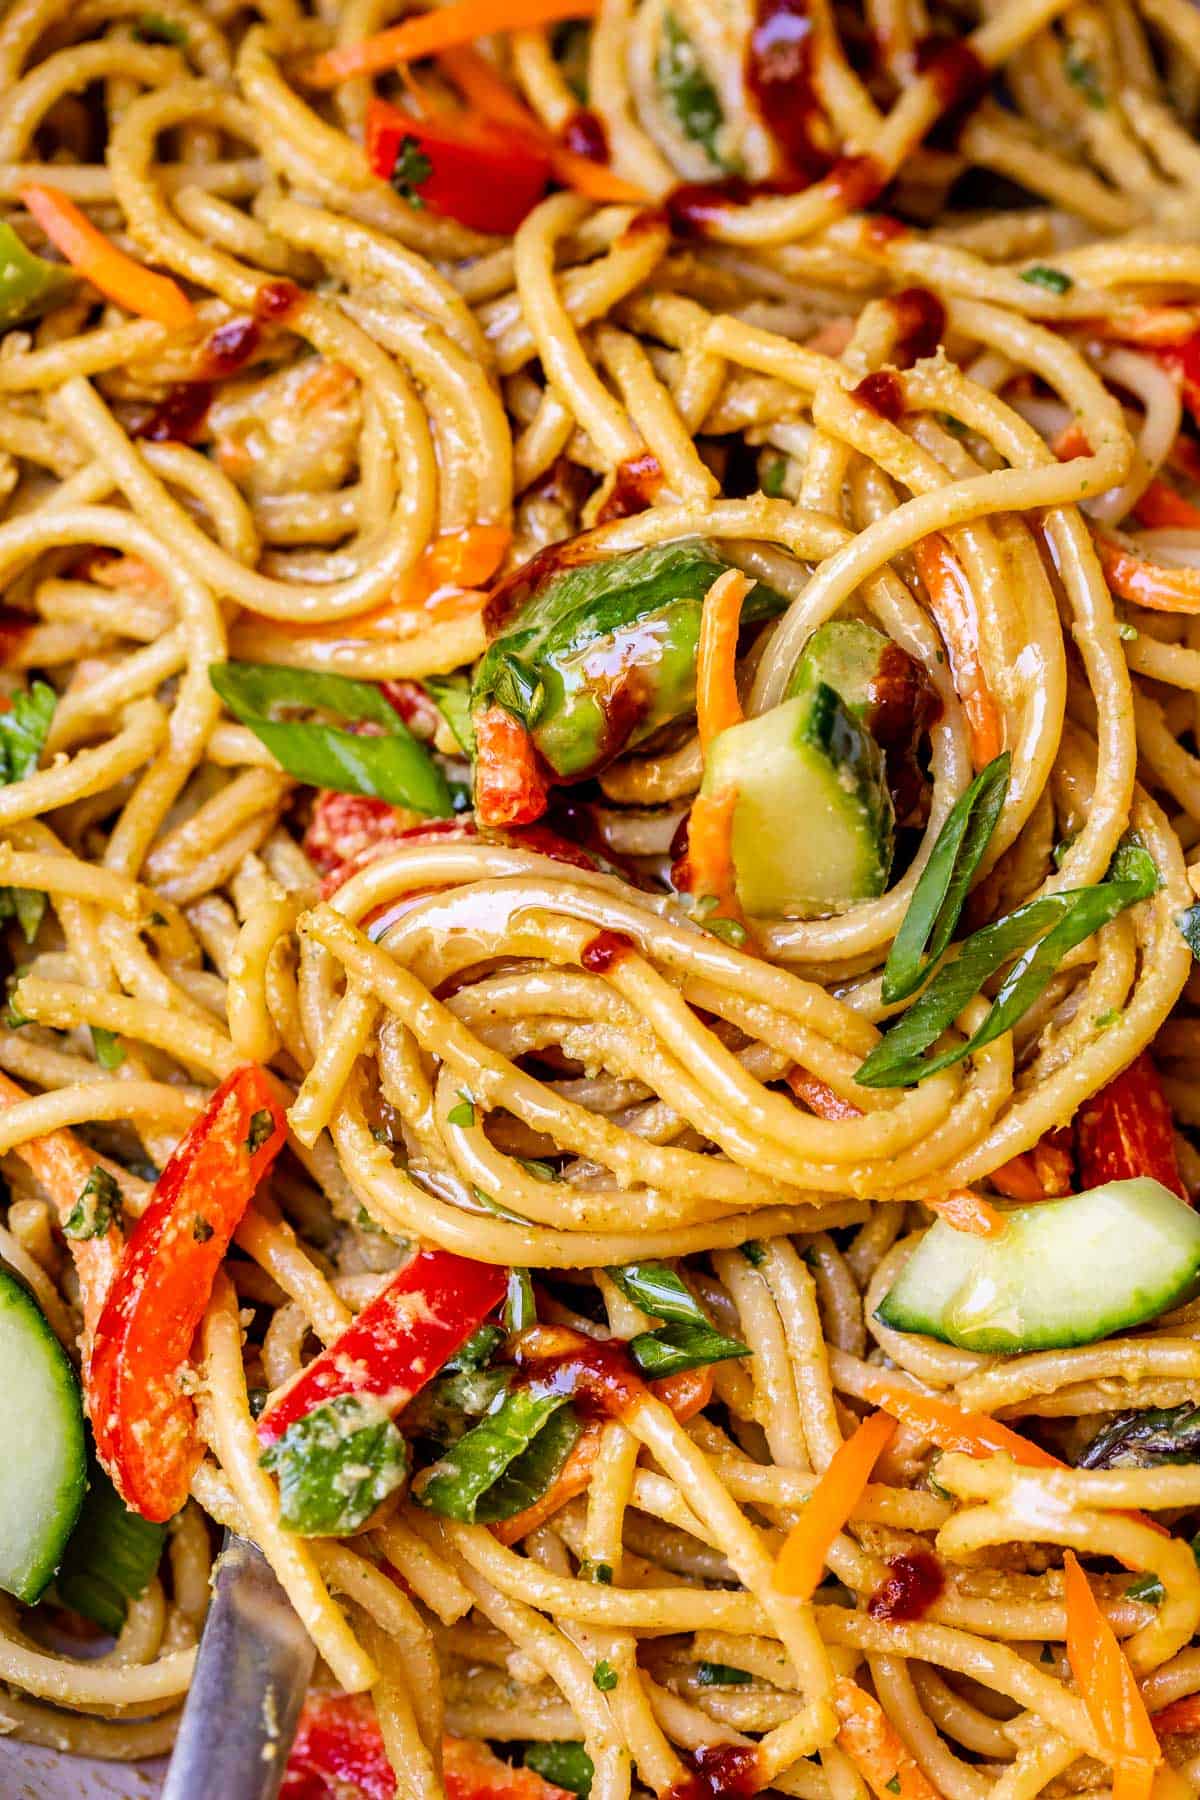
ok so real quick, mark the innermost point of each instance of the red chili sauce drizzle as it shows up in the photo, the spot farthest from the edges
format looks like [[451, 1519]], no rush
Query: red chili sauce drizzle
[[584, 134], [902, 704], [602, 953], [858, 180], [230, 347], [881, 229], [600, 1378], [510, 595], [15, 627], [921, 319], [637, 482], [882, 393], [960, 80], [180, 417], [722, 1772], [274, 300], [780, 76], [913, 1584]]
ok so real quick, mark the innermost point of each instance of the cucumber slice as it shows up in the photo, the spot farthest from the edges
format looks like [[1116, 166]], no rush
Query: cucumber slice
[[812, 827], [847, 655], [1063, 1272], [43, 1456]]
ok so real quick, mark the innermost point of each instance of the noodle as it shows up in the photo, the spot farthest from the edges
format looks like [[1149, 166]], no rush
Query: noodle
[[361, 736]]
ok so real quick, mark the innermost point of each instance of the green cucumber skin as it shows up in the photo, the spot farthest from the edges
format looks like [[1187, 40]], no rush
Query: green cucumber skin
[[847, 655], [43, 1452], [1144, 1237]]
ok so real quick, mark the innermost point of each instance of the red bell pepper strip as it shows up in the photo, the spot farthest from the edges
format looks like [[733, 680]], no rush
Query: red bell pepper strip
[[460, 167], [1126, 1130], [398, 1342], [339, 1750], [145, 1427], [509, 786]]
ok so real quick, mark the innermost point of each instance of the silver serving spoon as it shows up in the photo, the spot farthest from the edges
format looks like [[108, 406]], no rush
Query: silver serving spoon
[[252, 1671]]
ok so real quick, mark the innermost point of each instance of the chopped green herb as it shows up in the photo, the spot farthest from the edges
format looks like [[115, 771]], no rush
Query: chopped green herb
[[685, 84], [153, 28], [566, 1764], [674, 1348], [1103, 1020], [599, 1572], [365, 1222], [711, 1674], [201, 1229], [1080, 71], [1055, 281], [893, 1786], [464, 1112], [110, 1052], [1127, 633], [262, 1124], [505, 1462], [336, 1465], [389, 765], [754, 1253], [604, 1676], [1147, 1588], [952, 424], [14, 1018], [1189, 923], [411, 169], [541, 1171], [23, 732], [774, 476], [520, 1307], [111, 1556], [98, 1206]]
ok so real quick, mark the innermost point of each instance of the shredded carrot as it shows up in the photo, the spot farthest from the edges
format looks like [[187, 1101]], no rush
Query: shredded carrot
[[709, 861], [328, 383], [1152, 585], [819, 1097], [953, 607], [968, 1212], [1043, 1173], [686, 1394], [494, 100], [1108, 1689], [717, 703], [801, 1562], [137, 289], [1181, 1716], [875, 1747], [427, 34], [62, 1163], [975, 1434], [1162, 506]]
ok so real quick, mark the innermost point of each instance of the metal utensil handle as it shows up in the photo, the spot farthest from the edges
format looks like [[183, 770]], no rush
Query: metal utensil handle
[[251, 1673]]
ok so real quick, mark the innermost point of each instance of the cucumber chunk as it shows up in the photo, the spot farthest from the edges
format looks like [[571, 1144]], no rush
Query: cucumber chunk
[[43, 1456], [1063, 1272], [812, 827], [850, 657]]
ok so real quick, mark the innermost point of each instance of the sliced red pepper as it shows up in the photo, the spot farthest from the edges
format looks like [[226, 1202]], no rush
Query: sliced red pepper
[[145, 1426], [1126, 1130], [460, 167], [1184, 360], [339, 1750], [398, 1342], [819, 1097], [509, 786], [1047, 1172]]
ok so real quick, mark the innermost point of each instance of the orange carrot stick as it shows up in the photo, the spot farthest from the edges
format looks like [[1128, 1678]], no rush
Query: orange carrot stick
[[709, 860], [975, 1434], [1043, 1173], [427, 34], [137, 289], [717, 703], [801, 1562], [953, 607], [62, 1164], [1108, 1689], [1152, 585], [875, 1747], [968, 1212]]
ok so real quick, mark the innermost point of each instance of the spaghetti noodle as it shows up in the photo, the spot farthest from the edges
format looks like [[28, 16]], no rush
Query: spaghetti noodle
[[601, 758]]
